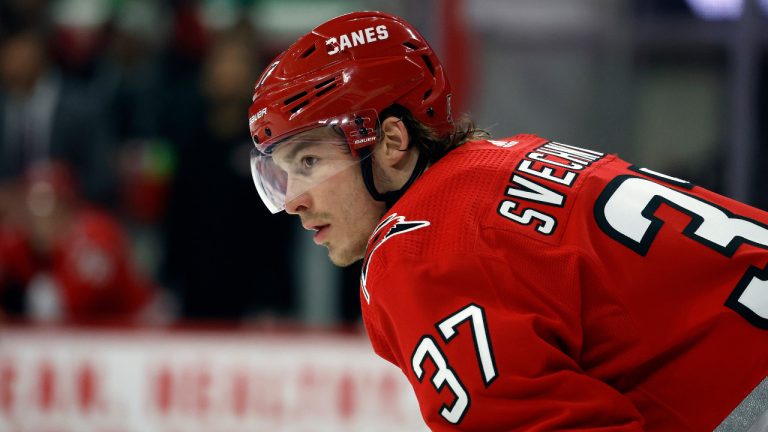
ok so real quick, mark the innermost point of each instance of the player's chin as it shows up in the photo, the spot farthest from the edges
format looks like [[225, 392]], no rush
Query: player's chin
[[341, 257]]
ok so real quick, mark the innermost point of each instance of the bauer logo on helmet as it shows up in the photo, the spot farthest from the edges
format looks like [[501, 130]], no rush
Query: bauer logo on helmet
[[254, 118], [361, 37], [365, 140]]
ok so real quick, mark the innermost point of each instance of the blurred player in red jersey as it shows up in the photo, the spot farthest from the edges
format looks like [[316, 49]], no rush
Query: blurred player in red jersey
[[72, 259], [520, 284]]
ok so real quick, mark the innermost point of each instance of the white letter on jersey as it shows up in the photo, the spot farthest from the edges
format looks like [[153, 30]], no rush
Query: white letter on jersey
[[547, 173], [547, 223], [535, 192]]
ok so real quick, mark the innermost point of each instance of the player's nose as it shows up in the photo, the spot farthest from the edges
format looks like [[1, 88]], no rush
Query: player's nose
[[298, 204], [296, 197]]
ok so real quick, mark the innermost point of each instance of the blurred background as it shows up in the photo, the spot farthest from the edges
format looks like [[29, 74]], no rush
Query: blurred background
[[125, 190]]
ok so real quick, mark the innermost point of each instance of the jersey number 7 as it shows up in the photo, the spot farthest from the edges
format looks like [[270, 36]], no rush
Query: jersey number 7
[[625, 211]]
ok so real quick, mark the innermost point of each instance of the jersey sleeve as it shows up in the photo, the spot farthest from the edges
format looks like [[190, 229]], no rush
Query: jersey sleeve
[[490, 348]]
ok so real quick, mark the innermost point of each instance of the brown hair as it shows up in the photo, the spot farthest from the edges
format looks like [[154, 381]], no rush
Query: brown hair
[[427, 140]]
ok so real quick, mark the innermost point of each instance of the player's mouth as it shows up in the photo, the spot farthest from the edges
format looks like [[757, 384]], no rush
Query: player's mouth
[[321, 232]]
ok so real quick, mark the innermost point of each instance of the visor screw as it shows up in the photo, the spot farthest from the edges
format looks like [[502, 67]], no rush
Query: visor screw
[[363, 131], [268, 132], [430, 112]]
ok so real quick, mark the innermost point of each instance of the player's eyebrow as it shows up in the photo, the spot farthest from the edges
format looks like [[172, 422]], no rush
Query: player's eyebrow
[[297, 146]]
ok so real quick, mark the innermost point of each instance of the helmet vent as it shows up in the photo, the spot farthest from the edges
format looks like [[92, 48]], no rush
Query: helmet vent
[[309, 51], [325, 90], [299, 106], [325, 83], [410, 46], [428, 62], [427, 94], [295, 97], [326, 86]]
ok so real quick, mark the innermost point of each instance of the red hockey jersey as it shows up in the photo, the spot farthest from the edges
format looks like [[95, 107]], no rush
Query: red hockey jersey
[[522, 284], [92, 266]]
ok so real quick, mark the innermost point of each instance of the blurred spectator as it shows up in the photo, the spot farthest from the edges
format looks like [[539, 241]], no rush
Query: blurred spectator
[[73, 258], [216, 229], [16, 270], [135, 98], [44, 115], [16, 258], [130, 74]]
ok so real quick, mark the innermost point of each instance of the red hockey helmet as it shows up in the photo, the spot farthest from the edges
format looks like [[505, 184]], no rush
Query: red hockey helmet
[[347, 68]]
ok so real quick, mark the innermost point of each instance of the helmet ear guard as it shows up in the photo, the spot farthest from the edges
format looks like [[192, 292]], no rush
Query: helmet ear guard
[[361, 130]]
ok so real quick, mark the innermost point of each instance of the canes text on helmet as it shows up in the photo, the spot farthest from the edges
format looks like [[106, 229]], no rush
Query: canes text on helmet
[[360, 37]]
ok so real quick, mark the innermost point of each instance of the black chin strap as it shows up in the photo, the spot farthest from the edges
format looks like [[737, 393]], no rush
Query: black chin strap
[[389, 198]]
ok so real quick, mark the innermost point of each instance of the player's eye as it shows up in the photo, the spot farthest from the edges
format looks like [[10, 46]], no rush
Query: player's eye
[[307, 162]]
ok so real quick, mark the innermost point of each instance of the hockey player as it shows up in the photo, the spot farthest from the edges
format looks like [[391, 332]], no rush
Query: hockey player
[[519, 283]]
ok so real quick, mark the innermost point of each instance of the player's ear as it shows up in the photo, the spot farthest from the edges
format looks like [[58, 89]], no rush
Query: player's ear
[[393, 149]]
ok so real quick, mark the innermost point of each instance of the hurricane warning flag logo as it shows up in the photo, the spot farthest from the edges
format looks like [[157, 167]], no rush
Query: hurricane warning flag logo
[[388, 228]]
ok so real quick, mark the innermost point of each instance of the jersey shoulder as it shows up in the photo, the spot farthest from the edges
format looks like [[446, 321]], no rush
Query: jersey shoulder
[[476, 197], [472, 200], [456, 193], [523, 185]]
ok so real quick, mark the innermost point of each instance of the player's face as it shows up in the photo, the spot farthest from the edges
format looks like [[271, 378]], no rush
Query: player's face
[[339, 208]]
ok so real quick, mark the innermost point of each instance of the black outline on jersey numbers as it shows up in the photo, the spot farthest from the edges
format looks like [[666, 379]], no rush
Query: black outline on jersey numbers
[[447, 337], [733, 299], [472, 323], [439, 388], [642, 247], [656, 223]]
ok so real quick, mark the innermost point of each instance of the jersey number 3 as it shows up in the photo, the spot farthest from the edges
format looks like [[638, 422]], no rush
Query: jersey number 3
[[625, 211]]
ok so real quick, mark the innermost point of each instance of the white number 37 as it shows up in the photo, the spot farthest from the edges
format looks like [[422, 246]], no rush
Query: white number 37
[[444, 374]]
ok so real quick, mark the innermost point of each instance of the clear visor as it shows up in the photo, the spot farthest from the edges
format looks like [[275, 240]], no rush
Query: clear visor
[[294, 165]]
